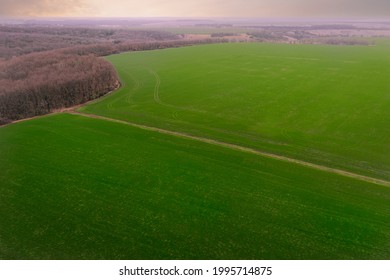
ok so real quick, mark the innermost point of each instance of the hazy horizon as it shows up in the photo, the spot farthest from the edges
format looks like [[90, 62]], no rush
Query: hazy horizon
[[345, 9]]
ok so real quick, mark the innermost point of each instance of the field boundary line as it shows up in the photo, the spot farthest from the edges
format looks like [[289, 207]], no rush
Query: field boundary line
[[241, 148]]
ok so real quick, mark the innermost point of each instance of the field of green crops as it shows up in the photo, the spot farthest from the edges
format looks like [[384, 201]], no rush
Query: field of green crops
[[75, 187], [323, 104]]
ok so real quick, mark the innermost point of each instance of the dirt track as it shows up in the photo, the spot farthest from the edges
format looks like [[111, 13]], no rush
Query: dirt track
[[244, 149]]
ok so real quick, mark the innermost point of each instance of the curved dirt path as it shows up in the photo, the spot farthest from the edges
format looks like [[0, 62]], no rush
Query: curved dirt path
[[243, 149]]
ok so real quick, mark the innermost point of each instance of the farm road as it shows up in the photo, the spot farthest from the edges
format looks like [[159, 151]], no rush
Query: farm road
[[243, 149]]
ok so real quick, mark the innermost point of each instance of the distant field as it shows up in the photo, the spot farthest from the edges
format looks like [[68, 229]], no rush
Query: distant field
[[323, 104], [198, 30], [80, 188]]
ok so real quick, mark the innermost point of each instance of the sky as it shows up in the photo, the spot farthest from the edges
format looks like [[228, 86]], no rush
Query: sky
[[197, 8]]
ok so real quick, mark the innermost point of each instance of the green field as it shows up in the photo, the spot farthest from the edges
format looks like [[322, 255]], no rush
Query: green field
[[76, 187], [323, 104]]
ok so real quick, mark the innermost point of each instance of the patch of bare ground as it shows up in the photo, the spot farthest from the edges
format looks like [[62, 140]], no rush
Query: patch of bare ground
[[240, 38]]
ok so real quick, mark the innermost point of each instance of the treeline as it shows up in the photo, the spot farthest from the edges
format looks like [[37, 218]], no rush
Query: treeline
[[109, 48], [20, 40], [222, 34], [348, 41], [46, 80], [37, 84]]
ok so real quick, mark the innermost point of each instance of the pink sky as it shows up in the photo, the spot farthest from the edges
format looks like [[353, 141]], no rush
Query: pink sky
[[196, 8]]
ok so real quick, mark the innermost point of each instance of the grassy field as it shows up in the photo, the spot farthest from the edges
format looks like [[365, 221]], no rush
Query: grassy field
[[323, 104], [80, 188], [76, 187]]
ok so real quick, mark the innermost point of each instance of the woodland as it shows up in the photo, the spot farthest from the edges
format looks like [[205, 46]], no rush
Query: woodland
[[44, 69]]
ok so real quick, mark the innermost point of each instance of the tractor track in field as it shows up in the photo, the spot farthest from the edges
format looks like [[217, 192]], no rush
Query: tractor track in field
[[156, 91], [156, 97], [241, 148]]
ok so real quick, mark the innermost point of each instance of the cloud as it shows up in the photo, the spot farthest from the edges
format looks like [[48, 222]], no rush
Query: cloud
[[201, 8], [244, 8], [336, 8], [43, 7]]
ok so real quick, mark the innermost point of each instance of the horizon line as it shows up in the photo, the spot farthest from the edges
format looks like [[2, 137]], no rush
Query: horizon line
[[202, 17]]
